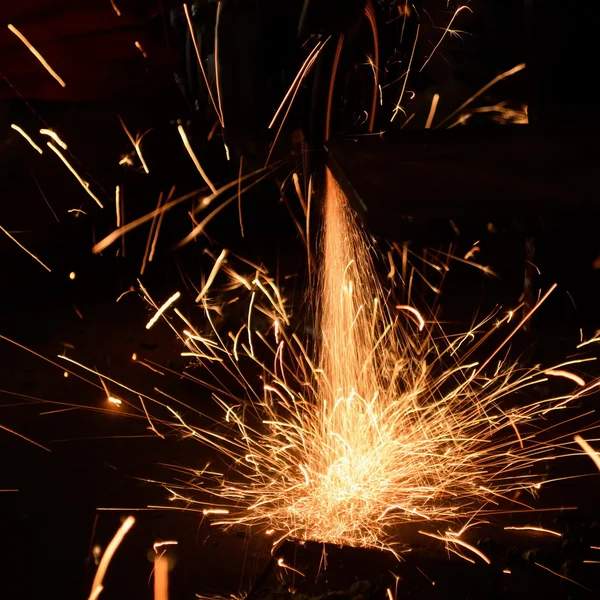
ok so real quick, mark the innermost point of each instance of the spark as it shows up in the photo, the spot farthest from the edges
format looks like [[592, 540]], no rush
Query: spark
[[537, 564], [283, 565], [162, 309], [31, 142], [54, 136], [115, 8], [566, 374], [201, 64], [484, 89], [84, 184], [595, 456], [25, 249], [158, 545], [536, 529], [77, 211], [455, 540], [3, 427], [434, 103], [446, 31], [139, 47], [107, 556], [161, 578], [415, 312], [212, 275], [194, 158], [136, 143], [398, 107], [48, 68], [115, 401], [72, 275]]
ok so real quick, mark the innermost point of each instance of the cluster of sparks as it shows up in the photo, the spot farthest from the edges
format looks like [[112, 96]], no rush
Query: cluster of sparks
[[382, 421]]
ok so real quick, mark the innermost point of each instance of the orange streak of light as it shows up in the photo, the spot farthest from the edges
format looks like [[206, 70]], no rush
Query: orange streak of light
[[434, 103], [162, 309], [108, 554], [195, 160], [562, 576], [25, 438], [37, 54], [84, 184], [201, 64], [161, 578], [136, 143], [454, 540], [595, 456], [537, 529], [212, 275], [54, 136], [139, 47], [486, 87], [31, 142], [25, 249], [415, 312], [398, 106], [115, 8], [566, 374], [446, 31]]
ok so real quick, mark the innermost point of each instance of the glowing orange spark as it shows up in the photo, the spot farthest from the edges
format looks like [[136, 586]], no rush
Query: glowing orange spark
[[162, 309], [158, 545], [36, 54], [107, 556], [484, 89], [84, 184], [456, 540], [201, 63], [25, 249], [115, 8], [31, 142], [115, 401], [595, 456], [536, 529], [446, 31], [139, 47], [136, 143], [398, 106], [434, 103], [161, 578], [54, 136], [24, 438], [566, 374], [72, 275], [195, 160], [212, 275], [415, 312]]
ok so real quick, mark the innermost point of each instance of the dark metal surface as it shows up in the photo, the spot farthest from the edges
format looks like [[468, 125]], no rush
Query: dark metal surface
[[519, 174]]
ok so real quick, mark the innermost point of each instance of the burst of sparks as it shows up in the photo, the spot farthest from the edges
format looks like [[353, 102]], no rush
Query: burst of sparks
[[42, 60], [381, 423]]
